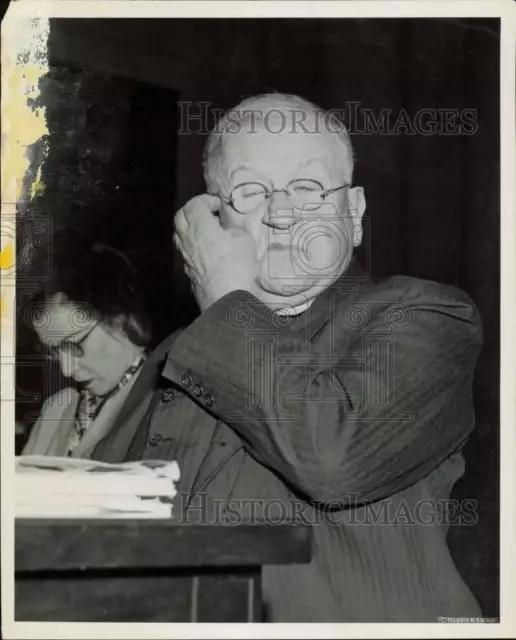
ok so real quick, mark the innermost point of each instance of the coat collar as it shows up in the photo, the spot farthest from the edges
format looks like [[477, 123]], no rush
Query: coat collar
[[116, 444], [348, 284]]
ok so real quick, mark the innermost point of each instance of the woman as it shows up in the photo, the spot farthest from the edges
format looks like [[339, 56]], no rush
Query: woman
[[89, 320]]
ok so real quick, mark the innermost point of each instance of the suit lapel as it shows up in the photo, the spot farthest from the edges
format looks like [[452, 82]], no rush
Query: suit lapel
[[114, 447], [201, 427], [320, 313], [195, 474], [216, 444], [211, 444], [218, 448]]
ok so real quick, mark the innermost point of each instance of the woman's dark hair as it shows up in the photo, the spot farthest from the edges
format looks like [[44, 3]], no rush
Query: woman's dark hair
[[98, 278]]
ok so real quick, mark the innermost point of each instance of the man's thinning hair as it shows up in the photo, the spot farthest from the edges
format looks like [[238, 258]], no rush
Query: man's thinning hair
[[259, 107]]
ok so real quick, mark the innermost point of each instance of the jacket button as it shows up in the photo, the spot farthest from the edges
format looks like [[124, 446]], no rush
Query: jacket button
[[197, 391], [155, 439], [186, 380], [167, 396], [208, 400]]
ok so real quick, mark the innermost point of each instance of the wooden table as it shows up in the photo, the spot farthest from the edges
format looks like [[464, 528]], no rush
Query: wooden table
[[148, 570]]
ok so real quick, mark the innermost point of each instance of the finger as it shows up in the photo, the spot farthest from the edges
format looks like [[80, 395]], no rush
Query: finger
[[177, 241], [180, 222], [181, 248], [189, 271], [201, 208], [211, 201], [204, 202]]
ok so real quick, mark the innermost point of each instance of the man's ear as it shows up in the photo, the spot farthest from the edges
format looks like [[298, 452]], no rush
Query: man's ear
[[356, 209]]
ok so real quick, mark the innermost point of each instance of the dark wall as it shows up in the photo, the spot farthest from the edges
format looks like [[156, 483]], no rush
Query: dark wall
[[111, 166], [433, 197], [109, 173]]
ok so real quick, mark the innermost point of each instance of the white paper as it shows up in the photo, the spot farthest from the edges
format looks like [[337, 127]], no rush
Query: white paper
[[55, 487]]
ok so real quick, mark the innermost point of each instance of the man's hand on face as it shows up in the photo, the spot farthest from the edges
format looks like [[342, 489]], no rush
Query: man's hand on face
[[217, 260]]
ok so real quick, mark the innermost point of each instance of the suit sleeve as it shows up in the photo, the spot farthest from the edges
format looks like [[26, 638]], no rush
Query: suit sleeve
[[385, 408]]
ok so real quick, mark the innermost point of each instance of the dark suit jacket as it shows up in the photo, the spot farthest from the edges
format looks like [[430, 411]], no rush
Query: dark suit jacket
[[350, 416]]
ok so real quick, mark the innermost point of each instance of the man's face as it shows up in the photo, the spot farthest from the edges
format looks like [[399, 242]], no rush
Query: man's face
[[300, 251], [93, 354]]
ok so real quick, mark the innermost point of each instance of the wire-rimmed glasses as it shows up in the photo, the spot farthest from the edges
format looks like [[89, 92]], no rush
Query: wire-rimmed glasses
[[68, 348], [304, 194]]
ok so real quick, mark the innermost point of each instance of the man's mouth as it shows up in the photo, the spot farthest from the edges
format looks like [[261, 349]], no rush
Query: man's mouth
[[277, 246]]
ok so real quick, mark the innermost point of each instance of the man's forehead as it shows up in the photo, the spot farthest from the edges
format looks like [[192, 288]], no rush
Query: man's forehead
[[276, 120], [278, 138]]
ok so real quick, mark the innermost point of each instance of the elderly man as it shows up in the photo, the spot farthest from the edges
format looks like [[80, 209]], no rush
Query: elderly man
[[304, 389]]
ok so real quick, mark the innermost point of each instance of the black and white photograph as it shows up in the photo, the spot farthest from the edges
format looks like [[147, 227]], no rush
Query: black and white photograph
[[258, 310]]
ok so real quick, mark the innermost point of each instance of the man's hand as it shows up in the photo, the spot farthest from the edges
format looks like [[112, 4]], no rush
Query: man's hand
[[217, 260]]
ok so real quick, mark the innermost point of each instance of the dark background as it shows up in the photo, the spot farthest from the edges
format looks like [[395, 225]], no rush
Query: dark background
[[118, 168]]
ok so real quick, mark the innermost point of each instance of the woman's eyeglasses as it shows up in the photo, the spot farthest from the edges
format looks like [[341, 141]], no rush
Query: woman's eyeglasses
[[69, 348], [306, 195]]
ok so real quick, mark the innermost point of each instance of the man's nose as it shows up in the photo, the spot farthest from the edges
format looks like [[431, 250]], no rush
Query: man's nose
[[280, 212]]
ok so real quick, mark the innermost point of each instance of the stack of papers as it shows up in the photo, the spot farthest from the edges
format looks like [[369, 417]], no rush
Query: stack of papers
[[51, 487]]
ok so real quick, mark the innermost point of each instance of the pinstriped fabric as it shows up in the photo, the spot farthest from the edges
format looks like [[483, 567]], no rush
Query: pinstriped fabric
[[365, 569], [433, 357], [362, 402]]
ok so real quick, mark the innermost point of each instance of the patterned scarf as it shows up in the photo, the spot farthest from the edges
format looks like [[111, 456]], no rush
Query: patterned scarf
[[89, 405]]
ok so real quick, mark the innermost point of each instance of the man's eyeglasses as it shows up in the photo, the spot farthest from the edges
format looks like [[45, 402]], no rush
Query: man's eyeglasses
[[69, 348], [307, 195]]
